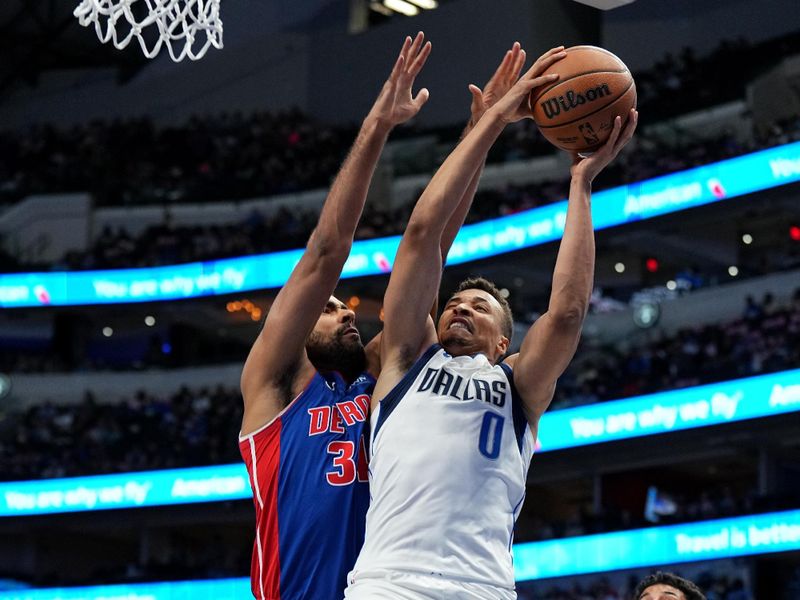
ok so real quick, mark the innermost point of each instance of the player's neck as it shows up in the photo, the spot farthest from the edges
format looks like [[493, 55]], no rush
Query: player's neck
[[349, 376], [459, 350], [349, 363], [348, 370]]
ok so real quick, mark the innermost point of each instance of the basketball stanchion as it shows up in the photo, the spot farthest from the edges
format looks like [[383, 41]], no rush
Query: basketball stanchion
[[188, 27]]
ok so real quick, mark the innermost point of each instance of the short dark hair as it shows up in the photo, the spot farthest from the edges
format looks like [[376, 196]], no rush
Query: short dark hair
[[479, 283], [689, 589]]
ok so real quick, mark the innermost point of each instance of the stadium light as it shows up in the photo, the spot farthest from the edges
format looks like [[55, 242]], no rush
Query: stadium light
[[402, 7], [426, 4], [380, 8], [606, 4]]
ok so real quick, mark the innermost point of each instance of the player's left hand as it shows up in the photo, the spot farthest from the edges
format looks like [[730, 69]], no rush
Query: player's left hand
[[503, 79], [396, 104], [589, 167]]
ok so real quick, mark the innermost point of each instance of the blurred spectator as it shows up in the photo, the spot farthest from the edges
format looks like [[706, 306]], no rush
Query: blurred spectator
[[716, 586], [182, 557], [189, 428], [766, 339], [235, 156], [166, 243], [132, 162], [716, 500], [232, 156]]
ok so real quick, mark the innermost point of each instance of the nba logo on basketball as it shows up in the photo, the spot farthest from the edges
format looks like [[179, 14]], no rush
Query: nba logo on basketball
[[588, 133]]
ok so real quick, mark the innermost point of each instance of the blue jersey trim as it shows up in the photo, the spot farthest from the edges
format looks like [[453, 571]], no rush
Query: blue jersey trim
[[520, 420], [392, 399], [516, 514]]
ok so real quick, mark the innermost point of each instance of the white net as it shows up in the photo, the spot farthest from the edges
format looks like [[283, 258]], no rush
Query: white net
[[188, 27]]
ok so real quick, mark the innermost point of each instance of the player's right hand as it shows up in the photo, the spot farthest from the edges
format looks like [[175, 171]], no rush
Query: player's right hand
[[504, 77], [515, 104], [396, 104], [588, 167]]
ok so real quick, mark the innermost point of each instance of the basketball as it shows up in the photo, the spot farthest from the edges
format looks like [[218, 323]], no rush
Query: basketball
[[576, 113]]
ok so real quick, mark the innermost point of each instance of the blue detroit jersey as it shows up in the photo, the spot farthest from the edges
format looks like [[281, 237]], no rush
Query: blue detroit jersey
[[308, 471]]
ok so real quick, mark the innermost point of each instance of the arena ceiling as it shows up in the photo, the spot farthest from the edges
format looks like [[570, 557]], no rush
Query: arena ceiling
[[37, 36], [43, 35]]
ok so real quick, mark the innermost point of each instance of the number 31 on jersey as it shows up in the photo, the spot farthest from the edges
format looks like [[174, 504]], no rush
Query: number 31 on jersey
[[347, 467]]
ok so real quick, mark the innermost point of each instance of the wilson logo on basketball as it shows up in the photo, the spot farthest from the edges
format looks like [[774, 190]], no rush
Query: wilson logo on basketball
[[553, 106]]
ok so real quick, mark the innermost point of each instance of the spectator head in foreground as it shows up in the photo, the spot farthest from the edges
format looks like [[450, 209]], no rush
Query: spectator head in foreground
[[667, 586]]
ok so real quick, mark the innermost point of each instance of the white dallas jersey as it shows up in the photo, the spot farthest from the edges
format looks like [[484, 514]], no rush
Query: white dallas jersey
[[450, 455]]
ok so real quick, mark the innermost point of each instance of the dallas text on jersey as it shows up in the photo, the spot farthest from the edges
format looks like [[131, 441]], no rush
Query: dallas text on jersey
[[441, 382]]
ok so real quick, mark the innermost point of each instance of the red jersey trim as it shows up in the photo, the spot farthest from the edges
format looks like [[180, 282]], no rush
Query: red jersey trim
[[264, 473]]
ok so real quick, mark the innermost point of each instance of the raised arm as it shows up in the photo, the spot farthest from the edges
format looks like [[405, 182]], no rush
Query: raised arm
[[504, 77], [418, 265], [501, 81], [278, 355], [550, 344]]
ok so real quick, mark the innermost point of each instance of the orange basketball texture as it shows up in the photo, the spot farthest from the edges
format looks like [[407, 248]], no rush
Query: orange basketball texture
[[576, 113]]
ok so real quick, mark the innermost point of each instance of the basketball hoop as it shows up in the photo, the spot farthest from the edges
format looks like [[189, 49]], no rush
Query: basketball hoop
[[179, 23]]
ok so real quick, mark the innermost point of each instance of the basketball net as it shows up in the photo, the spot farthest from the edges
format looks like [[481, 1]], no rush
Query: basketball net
[[182, 24]]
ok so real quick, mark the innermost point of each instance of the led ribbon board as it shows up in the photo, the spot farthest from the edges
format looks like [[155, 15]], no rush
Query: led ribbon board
[[691, 542], [761, 396], [216, 589], [654, 546], [125, 490], [712, 404], [643, 200]]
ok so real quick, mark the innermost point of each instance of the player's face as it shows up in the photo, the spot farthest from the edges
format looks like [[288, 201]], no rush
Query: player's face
[[662, 592], [335, 343], [472, 322], [337, 324]]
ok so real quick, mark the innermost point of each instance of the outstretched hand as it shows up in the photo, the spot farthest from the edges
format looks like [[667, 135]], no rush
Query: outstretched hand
[[589, 167], [503, 79], [515, 105], [396, 103]]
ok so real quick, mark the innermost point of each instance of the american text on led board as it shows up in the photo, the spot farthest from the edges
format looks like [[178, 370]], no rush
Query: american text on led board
[[633, 202], [125, 490]]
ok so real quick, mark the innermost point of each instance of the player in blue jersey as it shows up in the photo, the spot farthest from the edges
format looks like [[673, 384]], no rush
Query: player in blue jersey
[[307, 384], [455, 428]]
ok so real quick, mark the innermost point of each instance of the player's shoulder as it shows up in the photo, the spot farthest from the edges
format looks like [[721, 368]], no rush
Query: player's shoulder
[[510, 360], [278, 402], [365, 380]]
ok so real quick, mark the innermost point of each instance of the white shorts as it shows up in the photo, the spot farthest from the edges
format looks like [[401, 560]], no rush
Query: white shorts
[[413, 586]]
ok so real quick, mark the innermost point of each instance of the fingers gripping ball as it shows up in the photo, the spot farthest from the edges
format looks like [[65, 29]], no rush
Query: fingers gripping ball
[[577, 112]]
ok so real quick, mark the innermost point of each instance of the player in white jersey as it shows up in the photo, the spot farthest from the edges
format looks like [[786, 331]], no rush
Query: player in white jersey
[[455, 427]]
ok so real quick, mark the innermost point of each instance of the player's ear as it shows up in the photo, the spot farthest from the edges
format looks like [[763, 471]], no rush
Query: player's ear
[[502, 345]]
